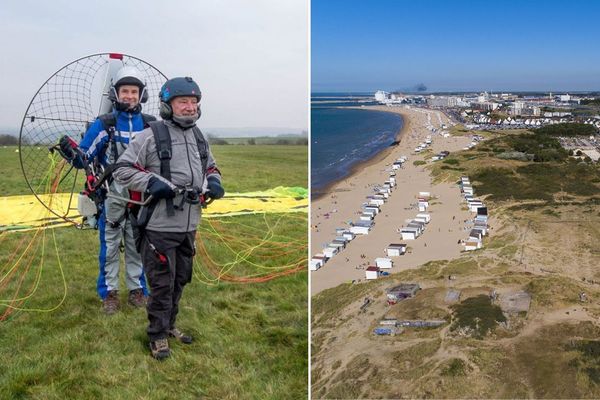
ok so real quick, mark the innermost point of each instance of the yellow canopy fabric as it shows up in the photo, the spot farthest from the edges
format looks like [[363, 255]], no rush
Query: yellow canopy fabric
[[18, 213]]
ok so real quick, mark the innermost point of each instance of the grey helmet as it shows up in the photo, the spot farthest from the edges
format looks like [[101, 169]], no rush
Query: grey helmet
[[127, 75]]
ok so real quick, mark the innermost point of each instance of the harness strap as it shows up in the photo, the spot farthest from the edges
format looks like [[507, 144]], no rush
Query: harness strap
[[162, 138], [202, 148]]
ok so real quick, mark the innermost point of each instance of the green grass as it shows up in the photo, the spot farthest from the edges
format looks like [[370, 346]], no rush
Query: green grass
[[249, 168], [478, 314], [251, 339]]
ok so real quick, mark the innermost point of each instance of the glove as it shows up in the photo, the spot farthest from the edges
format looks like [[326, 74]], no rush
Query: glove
[[66, 147], [70, 151], [215, 190], [159, 189]]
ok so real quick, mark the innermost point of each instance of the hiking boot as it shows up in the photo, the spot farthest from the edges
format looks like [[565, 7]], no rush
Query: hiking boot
[[137, 298], [160, 349], [180, 336], [110, 304]]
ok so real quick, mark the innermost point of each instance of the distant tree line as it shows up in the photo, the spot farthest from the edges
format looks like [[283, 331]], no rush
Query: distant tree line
[[566, 130], [287, 141], [8, 140], [591, 102]]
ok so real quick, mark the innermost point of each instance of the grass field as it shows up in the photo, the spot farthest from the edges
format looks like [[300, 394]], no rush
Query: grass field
[[251, 339]]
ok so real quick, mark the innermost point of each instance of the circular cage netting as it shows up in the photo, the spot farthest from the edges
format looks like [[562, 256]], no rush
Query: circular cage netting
[[67, 104]]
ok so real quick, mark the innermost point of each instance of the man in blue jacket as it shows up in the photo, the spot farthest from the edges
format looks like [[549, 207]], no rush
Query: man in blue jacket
[[105, 140]]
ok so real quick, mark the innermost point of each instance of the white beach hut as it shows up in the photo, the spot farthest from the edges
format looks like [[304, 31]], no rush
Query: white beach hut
[[424, 216], [383, 263], [330, 251], [348, 235], [372, 209], [472, 245], [395, 249], [315, 264], [409, 234], [372, 272], [474, 205], [366, 217]]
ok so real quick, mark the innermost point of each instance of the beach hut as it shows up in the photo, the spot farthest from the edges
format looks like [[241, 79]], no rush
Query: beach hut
[[475, 234], [383, 263], [339, 242], [420, 219], [330, 251], [366, 217], [418, 225], [376, 200], [359, 230], [361, 227], [481, 219], [409, 234], [315, 264], [425, 217], [337, 246], [372, 272], [474, 205], [395, 249], [471, 245], [370, 212], [320, 256], [348, 235], [481, 226], [372, 209]]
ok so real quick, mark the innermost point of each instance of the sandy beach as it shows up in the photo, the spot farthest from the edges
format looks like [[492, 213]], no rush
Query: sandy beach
[[343, 202]]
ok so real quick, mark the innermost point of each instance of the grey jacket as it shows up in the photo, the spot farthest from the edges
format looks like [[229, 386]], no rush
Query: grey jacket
[[186, 169]]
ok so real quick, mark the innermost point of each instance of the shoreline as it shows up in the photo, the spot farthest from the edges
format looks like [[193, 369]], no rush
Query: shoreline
[[375, 159], [341, 206]]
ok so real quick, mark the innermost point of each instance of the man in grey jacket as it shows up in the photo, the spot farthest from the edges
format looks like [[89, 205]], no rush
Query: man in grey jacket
[[171, 162]]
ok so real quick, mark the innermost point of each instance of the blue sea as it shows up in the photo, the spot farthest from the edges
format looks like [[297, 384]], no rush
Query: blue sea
[[343, 137]]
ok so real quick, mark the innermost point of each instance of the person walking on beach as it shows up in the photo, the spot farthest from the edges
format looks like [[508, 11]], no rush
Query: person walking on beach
[[172, 163]]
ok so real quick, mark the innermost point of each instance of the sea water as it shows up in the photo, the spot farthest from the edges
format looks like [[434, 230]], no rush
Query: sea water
[[344, 137]]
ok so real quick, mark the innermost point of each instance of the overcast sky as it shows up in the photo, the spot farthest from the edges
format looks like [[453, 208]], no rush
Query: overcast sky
[[250, 58]]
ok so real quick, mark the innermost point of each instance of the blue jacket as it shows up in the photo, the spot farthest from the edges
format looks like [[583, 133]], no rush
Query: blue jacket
[[95, 142]]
